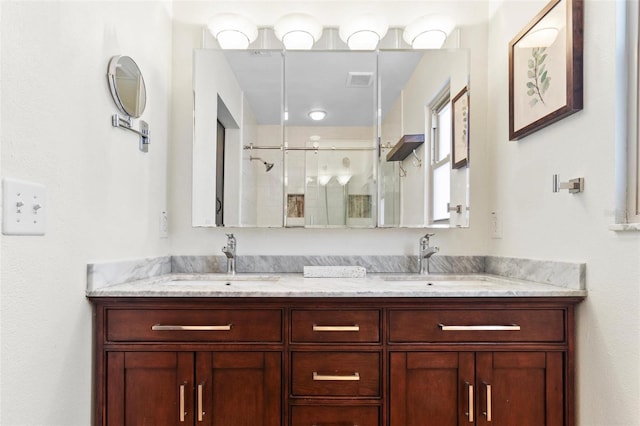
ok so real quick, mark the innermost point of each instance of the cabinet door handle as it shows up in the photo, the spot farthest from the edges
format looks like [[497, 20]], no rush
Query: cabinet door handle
[[160, 327], [200, 412], [354, 327], [326, 377], [487, 413], [469, 413], [510, 327], [182, 412]]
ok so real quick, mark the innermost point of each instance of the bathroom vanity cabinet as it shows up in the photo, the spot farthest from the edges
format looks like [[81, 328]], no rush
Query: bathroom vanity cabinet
[[334, 361], [178, 365]]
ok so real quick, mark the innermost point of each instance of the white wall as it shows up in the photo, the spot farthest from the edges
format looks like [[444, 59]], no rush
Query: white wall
[[104, 195], [544, 225]]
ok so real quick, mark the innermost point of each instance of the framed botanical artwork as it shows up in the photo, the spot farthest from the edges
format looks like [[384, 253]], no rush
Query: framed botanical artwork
[[545, 68], [460, 129]]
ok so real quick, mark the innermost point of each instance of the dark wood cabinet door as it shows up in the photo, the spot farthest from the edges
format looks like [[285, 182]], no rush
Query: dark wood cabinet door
[[149, 388], [238, 388], [520, 388], [431, 388]]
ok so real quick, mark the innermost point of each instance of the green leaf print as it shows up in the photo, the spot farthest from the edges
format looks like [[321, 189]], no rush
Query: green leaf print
[[539, 80]]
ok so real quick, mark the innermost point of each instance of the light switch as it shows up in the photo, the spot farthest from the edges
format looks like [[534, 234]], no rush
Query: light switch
[[24, 207]]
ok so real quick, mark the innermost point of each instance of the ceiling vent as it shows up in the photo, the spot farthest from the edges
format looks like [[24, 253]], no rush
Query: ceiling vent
[[360, 79]]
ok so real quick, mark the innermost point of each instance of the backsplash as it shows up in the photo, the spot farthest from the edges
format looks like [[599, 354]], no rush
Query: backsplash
[[563, 274], [295, 264], [109, 273]]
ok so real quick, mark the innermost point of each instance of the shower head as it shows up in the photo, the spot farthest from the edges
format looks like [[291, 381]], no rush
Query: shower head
[[268, 166]]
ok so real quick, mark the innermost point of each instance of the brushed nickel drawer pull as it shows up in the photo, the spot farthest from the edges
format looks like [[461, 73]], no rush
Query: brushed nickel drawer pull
[[488, 412], [470, 412], [200, 412], [511, 327], [354, 327], [160, 327], [324, 377], [182, 412]]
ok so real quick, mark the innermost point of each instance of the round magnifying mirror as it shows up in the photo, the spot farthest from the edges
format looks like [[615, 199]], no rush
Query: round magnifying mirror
[[127, 86]]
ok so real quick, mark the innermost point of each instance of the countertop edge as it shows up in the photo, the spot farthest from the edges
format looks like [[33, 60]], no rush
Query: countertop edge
[[373, 286]]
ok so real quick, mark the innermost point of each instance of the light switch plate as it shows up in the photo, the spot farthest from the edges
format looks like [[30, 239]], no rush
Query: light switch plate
[[24, 207]]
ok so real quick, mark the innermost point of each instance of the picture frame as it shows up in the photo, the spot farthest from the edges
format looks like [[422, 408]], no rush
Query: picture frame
[[460, 129], [545, 68]]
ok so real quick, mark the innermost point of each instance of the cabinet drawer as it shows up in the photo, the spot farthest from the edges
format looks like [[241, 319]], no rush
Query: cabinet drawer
[[334, 416], [477, 325], [335, 326], [194, 325], [335, 373]]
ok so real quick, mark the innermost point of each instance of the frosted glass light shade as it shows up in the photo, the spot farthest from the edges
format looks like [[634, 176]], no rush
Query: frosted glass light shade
[[298, 40], [428, 32], [363, 40], [343, 179], [317, 115], [233, 31], [433, 39], [298, 31], [323, 180], [363, 32]]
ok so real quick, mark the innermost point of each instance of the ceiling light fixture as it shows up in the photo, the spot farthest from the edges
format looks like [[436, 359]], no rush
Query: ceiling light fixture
[[298, 31], [363, 32], [233, 31], [317, 115], [428, 32]]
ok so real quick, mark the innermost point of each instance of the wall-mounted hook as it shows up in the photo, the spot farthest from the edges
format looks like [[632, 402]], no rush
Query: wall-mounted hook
[[417, 162], [574, 185]]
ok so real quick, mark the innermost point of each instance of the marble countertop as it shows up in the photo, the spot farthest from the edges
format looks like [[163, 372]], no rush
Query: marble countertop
[[295, 285]]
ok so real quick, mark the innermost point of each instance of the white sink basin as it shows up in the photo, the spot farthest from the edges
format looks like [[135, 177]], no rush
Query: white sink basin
[[206, 278], [434, 284], [434, 277]]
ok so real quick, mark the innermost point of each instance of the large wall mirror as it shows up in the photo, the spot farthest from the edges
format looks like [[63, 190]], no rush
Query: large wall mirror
[[331, 138]]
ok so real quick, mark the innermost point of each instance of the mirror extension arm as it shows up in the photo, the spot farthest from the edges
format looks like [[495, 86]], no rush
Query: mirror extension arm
[[123, 123]]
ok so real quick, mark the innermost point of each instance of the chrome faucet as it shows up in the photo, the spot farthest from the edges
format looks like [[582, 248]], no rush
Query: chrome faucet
[[230, 251], [425, 253]]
